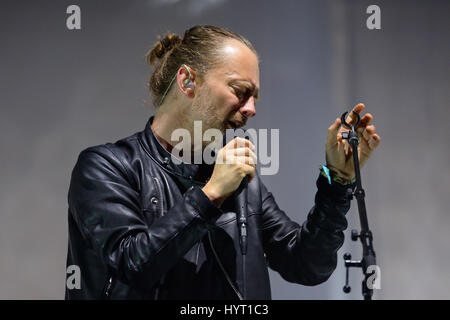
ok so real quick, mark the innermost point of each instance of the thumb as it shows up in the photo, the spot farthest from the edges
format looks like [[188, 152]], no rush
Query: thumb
[[333, 132]]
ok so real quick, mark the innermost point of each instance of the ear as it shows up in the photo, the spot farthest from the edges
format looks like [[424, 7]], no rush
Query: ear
[[186, 81]]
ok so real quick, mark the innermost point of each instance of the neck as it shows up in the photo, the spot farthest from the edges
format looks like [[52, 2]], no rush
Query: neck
[[165, 123], [167, 119]]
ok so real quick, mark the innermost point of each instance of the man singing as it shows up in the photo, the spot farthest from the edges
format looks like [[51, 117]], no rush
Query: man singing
[[144, 227]]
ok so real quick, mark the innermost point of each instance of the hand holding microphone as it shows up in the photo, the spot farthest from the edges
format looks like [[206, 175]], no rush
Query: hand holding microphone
[[235, 161]]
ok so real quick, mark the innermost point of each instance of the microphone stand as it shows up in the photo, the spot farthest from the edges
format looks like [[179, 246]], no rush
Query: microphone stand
[[365, 236]]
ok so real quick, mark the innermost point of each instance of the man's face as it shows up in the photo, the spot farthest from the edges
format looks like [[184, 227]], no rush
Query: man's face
[[226, 98]]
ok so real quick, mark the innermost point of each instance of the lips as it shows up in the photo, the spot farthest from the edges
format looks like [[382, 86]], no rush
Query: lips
[[236, 124], [231, 125]]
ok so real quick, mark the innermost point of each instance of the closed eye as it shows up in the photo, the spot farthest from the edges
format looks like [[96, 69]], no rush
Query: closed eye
[[244, 89], [242, 95]]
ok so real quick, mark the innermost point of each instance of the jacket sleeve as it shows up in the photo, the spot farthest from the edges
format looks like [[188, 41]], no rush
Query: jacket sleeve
[[107, 212], [306, 254]]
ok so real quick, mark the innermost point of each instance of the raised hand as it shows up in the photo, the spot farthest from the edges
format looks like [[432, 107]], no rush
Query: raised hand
[[339, 152]]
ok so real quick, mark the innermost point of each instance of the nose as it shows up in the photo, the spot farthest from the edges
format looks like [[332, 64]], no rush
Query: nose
[[248, 109]]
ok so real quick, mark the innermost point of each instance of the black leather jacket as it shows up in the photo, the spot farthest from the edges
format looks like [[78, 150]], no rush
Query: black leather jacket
[[140, 227]]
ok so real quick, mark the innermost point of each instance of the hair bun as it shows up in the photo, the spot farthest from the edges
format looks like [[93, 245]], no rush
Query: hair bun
[[161, 47]]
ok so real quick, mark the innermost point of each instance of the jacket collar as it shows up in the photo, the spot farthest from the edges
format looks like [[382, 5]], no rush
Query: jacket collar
[[194, 173]]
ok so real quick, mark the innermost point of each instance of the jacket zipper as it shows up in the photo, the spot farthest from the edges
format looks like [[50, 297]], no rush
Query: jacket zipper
[[108, 287], [161, 206], [236, 291], [161, 213]]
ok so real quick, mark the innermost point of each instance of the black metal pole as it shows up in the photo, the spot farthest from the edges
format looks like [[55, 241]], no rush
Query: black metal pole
[[368, 256]]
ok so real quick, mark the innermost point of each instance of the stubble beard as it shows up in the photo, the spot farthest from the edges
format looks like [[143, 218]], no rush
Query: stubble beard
[[205, 111]]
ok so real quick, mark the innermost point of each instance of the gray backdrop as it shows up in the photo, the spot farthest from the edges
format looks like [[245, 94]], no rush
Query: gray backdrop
[[62, 91]]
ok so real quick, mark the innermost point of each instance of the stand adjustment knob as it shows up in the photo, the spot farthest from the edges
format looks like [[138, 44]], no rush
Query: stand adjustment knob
[[355, 235]]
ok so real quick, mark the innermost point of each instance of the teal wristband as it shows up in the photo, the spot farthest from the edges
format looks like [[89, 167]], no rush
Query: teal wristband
[[332, 176], [326, 173]]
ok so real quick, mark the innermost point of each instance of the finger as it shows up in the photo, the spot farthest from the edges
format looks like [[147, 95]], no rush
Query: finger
[[333, 132], [363, 147], [245, 160], [365, 121], [248, 170], [368, 132], [239, 142], [245, 152], [344, 145], [366, 136], [374, 142], [350, 117]]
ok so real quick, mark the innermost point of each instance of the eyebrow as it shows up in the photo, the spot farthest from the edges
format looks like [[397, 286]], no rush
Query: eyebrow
[[249, 85]]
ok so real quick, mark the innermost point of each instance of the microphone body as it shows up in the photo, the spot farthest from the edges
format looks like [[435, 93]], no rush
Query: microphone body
[[240, 198], [241, 208]]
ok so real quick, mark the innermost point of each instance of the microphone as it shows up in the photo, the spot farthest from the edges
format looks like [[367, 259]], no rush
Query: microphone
[[240, 200], [241, 208]]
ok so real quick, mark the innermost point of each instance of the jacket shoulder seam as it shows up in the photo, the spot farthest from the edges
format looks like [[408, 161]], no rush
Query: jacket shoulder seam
[[129, 176]]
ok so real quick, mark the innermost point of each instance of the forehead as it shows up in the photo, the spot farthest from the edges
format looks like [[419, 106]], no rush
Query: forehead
[[239, 63]]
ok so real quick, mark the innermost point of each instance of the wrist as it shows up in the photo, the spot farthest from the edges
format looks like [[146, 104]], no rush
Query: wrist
[[213, 195], [333, 174]]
